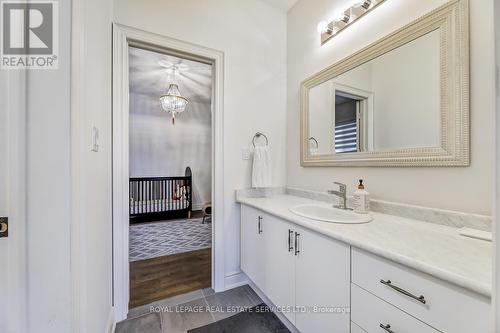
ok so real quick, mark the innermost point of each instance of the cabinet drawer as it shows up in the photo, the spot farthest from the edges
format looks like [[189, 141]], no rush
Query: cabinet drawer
[[471, 312], [370, 313]]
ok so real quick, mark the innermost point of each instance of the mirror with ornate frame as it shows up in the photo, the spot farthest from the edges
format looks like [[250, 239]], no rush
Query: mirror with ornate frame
[[402, 101]]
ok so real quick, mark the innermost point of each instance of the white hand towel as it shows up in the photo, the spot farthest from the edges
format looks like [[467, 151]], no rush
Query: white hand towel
[[261, 171]]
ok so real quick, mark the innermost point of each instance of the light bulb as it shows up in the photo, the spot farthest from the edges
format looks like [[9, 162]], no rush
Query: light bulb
[[365, 4], [338, 16], [356, 3], [342, 17], [322, 27]]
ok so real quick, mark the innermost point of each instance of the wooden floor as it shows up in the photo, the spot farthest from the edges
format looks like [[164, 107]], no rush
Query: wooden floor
[[163, 277], [196, 214]]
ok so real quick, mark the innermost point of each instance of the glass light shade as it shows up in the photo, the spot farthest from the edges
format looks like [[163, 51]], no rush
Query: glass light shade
[[322, 27], [172, 101]]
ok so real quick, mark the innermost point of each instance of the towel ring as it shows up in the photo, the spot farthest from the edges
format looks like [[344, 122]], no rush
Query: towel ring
[[316, 141], [258, 135]]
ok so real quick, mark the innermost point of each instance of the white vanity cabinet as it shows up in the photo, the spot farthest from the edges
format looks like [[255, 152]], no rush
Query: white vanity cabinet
[[322, 280], [335, 287], [266, 256], [253, 249], [297, 269], [279, 270]]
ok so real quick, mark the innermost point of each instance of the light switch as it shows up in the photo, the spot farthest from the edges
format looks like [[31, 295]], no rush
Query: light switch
[[245, 154], [95, 139]]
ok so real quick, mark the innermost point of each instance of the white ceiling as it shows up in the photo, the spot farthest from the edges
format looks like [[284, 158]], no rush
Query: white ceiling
[[283, 4], [151, 73]]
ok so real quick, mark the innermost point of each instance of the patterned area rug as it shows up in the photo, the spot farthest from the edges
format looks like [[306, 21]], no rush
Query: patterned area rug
[[156, 239]]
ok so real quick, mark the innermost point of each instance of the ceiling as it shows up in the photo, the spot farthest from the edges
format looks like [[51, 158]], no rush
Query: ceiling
[[151, 73], [283, 4]]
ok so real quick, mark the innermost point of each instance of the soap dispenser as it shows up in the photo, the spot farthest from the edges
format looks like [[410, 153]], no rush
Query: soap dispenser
[[361, 199]]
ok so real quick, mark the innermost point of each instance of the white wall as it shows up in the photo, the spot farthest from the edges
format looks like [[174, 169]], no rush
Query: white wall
[[91, 236], [465, 189], [160, 149], [252, 35], [48, 181]]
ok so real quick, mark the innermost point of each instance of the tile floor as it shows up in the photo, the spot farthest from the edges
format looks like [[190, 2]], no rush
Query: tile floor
[[176, 314]]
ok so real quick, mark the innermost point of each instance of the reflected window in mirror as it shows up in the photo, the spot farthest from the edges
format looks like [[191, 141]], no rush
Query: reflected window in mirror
[[346, 124], [340, 122], [349, 128]]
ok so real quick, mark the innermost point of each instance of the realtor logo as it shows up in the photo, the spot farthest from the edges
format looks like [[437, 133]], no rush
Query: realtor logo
[[29, 34]]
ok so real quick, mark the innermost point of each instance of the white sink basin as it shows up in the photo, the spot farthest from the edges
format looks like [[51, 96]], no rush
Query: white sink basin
[[330, 214]]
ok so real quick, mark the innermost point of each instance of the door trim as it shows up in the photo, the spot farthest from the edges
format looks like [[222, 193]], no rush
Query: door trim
[[123, 36]]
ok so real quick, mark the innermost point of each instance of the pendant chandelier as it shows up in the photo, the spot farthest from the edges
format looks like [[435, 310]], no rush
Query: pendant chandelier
[[173, 101]]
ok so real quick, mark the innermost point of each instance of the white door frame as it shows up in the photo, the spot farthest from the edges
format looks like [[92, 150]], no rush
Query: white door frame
[[496, 191], [124, 36]]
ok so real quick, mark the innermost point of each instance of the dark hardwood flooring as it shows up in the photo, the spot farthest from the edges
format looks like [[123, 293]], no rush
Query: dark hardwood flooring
[[196, 214], [163, 277]]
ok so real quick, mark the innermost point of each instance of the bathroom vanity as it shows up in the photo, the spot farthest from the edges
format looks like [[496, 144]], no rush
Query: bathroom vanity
[[393, 274], [402, 101]]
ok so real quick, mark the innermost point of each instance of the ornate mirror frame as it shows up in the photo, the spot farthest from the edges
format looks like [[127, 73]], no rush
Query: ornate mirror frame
[[452, 20]]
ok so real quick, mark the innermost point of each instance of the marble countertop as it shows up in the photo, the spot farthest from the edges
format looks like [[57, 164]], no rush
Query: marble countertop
[[434, 249]]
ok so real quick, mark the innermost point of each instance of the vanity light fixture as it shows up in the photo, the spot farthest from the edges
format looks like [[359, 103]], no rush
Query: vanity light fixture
[[346, 18], [173, 101]]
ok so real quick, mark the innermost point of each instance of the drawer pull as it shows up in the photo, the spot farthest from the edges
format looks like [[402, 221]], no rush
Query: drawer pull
[[290, 246], [297, 250], [386, 328], [389, 284]]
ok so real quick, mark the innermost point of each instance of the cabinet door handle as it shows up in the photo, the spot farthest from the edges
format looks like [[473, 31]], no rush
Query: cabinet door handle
[[386, 328], [297, 251], [389, 284], [259, 225], [290, 246]]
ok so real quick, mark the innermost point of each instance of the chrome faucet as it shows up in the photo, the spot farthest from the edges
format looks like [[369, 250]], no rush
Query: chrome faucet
[[342, 194]]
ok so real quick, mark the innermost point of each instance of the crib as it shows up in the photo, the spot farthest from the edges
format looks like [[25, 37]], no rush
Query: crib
[[160, 198]]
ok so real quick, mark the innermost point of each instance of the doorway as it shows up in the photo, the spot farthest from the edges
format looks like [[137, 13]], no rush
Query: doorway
[[153, 200], [170, 161]]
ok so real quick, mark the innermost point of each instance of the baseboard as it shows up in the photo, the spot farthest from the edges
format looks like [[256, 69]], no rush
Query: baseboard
[[197, 206], [111, 325], [280, 315], [235, 280]]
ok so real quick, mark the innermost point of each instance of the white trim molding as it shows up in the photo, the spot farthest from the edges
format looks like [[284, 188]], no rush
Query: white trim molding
[[496, 192], [452, 20], [123, 37], [111, 324], [77, 233], [235, 280]]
